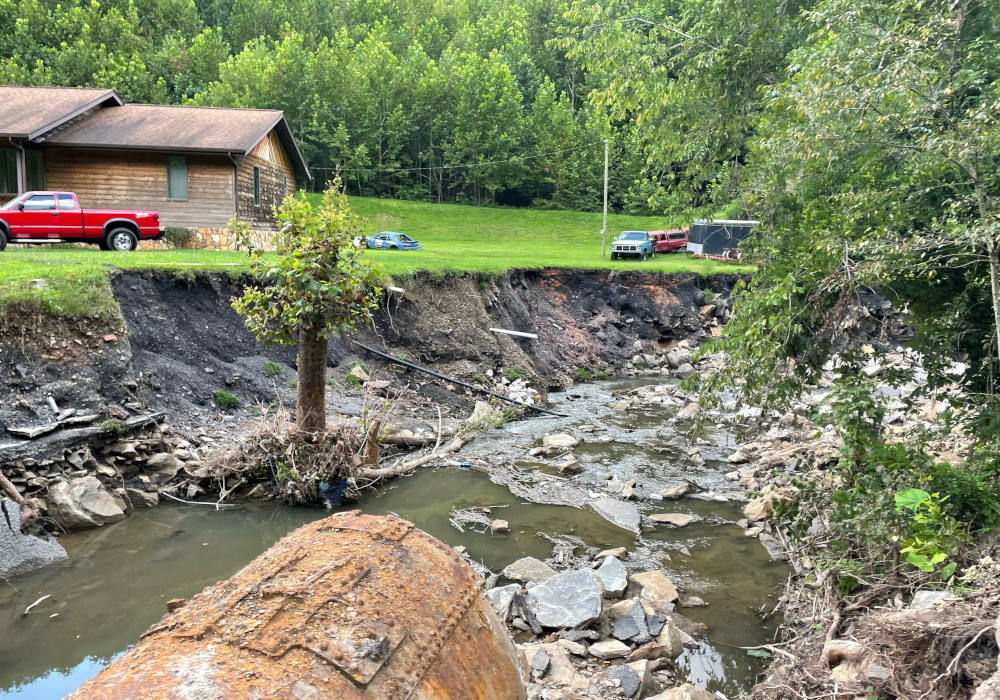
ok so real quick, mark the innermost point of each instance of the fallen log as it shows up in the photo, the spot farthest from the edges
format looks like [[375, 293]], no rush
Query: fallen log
[[408, 466], [29, 516]]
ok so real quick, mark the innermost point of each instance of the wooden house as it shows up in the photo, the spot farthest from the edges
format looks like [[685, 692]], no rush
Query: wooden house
[[197, 166]]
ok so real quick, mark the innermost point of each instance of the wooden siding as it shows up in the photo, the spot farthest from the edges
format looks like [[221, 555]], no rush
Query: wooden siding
[[133, 180], [277, 181]]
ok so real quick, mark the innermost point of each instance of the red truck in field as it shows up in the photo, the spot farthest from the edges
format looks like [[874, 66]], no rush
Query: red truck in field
[[673, 241], [56, 217]]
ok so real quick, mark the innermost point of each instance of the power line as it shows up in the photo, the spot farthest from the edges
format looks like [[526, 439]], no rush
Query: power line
[[461, 165]]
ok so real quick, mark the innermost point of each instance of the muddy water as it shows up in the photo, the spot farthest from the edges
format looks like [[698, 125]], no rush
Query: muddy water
[[119, 578]]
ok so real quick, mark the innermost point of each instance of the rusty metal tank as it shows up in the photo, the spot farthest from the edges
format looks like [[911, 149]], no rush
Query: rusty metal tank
[[351, 606]]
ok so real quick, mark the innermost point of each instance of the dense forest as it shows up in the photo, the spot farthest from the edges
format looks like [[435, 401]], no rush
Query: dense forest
[[474, 101]]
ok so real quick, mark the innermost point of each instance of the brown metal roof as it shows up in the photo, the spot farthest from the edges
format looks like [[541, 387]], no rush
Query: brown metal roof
[[27, 112], [179, 129]]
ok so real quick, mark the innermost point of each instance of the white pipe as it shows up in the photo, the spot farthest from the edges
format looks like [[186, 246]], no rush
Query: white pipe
[[517, 333]]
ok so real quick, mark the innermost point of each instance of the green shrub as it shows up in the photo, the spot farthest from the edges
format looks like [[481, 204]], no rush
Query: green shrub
[[353, 380], [582, 375], [178, 236], [113, 426], [271, 368], [513, 373], [223, 399]]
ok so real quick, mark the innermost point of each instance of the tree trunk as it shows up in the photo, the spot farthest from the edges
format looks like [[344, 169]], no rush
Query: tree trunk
[[995, 289], [310, 410], [994, 257]]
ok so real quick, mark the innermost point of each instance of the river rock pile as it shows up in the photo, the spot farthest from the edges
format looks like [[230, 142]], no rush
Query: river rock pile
[[595, 632], [92, 485]]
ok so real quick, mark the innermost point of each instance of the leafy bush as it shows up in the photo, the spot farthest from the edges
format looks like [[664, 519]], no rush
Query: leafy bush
[[514, 373], [223, 399], [178, 236], [582, 375], [933, 535], [271, 368], [113, 426]]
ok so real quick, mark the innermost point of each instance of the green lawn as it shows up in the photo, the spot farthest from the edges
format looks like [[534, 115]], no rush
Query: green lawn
[[455, 238], [459, 237]]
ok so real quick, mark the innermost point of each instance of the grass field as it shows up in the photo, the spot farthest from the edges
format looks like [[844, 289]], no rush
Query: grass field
[[456, 238]]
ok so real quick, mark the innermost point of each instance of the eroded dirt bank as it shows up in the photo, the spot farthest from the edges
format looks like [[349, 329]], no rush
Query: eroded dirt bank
[[179, 345]]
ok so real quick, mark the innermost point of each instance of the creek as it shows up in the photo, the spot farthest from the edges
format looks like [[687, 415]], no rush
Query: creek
[[118, 578]]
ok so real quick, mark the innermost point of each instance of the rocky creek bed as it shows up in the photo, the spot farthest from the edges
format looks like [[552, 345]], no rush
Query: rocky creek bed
[[174, 550], [634, 522]]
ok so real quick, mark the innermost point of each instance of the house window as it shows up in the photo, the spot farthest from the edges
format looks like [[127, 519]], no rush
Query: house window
[[35, 164], [177, 177], [8, 171], [256, 186]]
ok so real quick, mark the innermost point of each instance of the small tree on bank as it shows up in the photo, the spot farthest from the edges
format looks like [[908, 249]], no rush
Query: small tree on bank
[[314, 286]]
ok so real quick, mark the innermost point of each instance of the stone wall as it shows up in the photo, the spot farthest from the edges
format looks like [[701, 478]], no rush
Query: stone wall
[[213, 239]]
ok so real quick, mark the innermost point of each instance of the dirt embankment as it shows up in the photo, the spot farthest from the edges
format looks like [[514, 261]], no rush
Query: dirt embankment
[[178, 344]]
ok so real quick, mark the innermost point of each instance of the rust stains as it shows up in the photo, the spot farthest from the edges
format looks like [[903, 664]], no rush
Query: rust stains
[[352, 606]]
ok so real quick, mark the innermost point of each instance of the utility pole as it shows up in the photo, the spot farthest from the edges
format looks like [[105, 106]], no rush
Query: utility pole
[[604, 227]]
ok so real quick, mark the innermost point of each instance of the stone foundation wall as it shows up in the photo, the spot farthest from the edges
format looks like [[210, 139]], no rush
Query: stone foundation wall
[[212, 239]]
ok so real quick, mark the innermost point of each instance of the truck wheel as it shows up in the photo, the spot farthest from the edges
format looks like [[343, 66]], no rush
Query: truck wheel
[[3, 239], [642, 256], [652, 254], [120, 239]]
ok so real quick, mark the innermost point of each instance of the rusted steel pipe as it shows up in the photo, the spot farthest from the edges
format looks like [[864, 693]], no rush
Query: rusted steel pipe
[[349, 607]]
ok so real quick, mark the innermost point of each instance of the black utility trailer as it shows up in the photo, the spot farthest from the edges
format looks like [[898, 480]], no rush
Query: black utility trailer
[[718, 238]]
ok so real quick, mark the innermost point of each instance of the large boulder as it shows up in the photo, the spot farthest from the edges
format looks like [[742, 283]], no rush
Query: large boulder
[[19, 553], [82, 503], [624, 515], [568, 599]]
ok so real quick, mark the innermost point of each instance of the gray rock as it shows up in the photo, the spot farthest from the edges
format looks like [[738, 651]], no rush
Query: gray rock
[[686, 370], [501, 597], [632, 627], [529, 570], [141, 499], [773, 546], [609, 649], [672, 493], [162, 467], [675, 519], [624, 515], [19, 553], [619, 552], [82, 503], [655, 623], [628, 679], [559, 440], [568, 599], [500, 527], [539, 663], [925, 600], [613, 577]]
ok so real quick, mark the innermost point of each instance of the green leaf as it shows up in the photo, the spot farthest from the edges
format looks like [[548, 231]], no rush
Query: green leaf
[[947, 571], [911, 498]]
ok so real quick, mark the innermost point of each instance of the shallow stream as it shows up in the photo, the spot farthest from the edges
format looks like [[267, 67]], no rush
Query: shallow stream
[[119, 577]]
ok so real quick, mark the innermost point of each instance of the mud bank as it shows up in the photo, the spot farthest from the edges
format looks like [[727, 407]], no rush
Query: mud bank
[[115, 401]]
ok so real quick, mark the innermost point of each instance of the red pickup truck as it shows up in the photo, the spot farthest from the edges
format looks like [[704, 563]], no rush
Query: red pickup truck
[[673, 241], [56, 217]]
